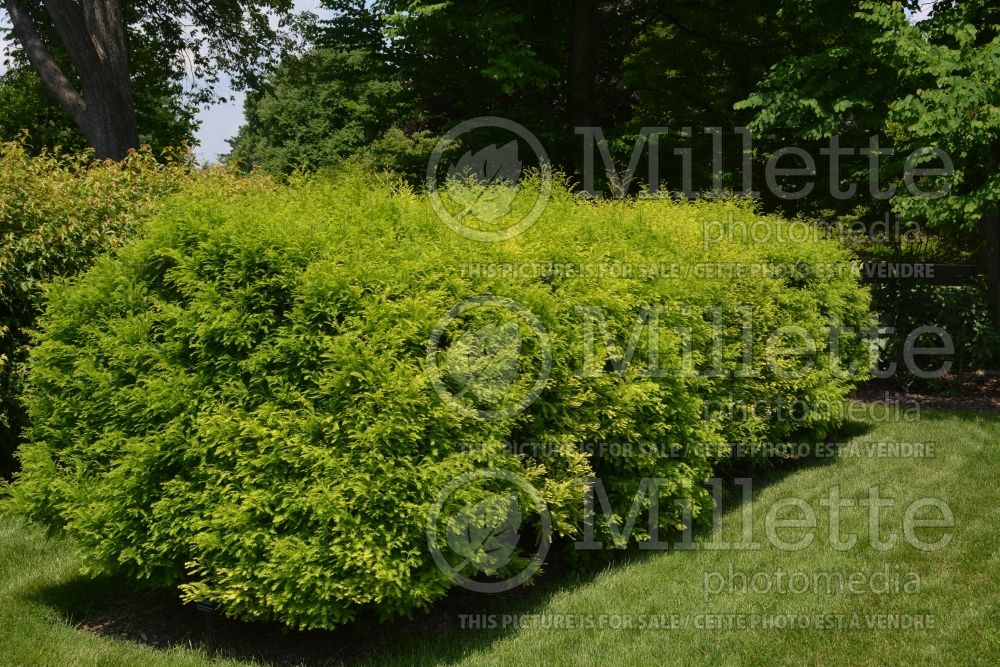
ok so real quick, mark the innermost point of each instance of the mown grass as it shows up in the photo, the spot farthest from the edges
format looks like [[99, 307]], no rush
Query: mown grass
[[42, 597], [959, 586]]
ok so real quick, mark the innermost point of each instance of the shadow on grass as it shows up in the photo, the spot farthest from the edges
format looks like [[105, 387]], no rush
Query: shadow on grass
[[158, 619], [977, 417], [81, 596], [774, 470], [111, 608]]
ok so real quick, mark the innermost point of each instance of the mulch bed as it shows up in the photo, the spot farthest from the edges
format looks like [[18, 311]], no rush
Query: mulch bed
[[978, 391], [158, 619]]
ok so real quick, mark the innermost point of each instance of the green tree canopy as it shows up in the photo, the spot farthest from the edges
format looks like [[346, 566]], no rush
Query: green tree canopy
[[550, 67], [131, 70], [928, 86]]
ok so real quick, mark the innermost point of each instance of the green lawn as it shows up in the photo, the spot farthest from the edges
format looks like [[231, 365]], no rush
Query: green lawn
[[42, 598]]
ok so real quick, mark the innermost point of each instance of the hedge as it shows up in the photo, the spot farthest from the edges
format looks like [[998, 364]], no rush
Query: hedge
[[245, 404], [57, 214]]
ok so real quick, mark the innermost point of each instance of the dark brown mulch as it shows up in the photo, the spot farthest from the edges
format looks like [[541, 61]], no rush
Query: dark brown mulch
[[978, 391], [159, 619]]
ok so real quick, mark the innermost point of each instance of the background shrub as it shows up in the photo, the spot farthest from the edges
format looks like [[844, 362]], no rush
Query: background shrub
[[56, 215], [239, 403], [963, 311]]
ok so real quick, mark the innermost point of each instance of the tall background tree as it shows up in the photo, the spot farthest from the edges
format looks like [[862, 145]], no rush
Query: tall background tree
[[931, 84], [384, 76], [116, 67], [165, 111], [551, 67]]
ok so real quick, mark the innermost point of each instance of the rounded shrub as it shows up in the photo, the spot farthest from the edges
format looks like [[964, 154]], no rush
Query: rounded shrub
[[262, 400], [57, 213]]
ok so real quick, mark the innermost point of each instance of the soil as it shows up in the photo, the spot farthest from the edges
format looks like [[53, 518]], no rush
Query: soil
[[978, 391], [159, 619]]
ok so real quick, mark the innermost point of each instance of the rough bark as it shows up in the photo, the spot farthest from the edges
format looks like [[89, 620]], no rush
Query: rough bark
[[583, 63], [40, 58], [989, 259], [93, 37]]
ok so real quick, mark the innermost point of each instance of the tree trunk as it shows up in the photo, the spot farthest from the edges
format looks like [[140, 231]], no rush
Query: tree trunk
[[94, 40], [989, 259], [110, 126], [583, 63]]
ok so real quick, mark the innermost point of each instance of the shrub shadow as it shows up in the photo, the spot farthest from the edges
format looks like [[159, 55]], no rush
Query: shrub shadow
[[111, 607]]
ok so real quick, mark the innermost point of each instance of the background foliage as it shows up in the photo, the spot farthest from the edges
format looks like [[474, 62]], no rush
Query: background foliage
[[57, 214]]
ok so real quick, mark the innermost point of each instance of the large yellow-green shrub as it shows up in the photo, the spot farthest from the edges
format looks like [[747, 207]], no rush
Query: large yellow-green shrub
[[241, 403]]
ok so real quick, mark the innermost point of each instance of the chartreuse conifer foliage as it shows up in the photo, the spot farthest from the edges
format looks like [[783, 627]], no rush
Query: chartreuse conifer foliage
[[239, 404]]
